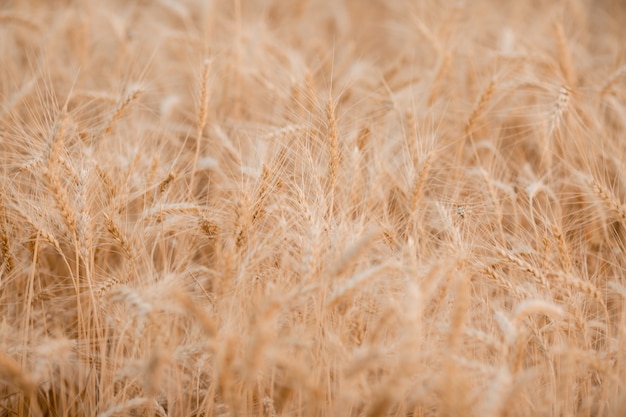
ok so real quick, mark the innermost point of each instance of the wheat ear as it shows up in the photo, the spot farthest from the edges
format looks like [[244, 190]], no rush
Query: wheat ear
[[19, 19], [480, 107], [203, 109], [565, 55], [117, 234], [12, 373], [534, 306], [608, 199], [420, 182], [61, 199], [153, 374], [611, 80], [560, 107], [139, 403], [210, 228], [333, 144], [7, 259], [121, 108], [442, 72], [525, 266], [563, 249]]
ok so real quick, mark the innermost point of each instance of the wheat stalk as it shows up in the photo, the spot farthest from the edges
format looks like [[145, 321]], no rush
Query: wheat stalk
[[336, 239]]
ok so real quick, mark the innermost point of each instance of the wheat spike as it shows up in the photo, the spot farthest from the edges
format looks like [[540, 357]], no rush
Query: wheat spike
[[480, 107], [608, 199], [203, 109], [333, 145], [133, 95], [312, 208], [559, 110], [420, 182], [612, 80]]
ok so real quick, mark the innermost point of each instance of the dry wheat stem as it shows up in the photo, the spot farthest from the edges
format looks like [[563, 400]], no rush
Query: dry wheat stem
[[365, 208]]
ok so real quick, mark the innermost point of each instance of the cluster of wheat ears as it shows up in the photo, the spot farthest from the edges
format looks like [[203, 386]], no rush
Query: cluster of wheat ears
[[312, 208]]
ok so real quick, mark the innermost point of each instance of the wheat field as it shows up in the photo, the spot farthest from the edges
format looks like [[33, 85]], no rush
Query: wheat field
[[312, 208]]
